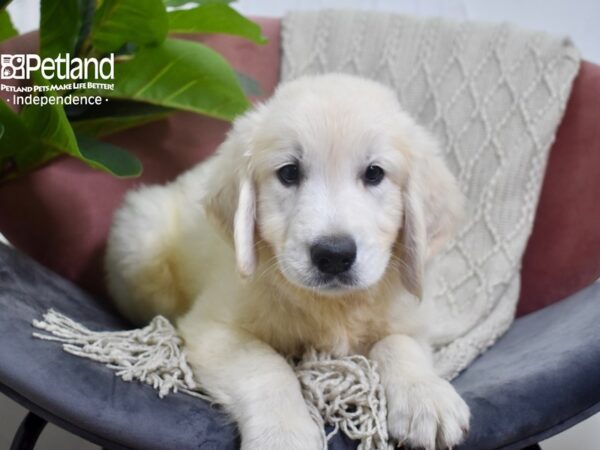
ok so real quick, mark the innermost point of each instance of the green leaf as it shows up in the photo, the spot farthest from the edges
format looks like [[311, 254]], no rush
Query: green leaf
[[250, 86], [60, 22], [215, 18], [176, 3], [41, 133], [143, 22], [12, 131], [16, 139], [20, 150], [7, 29], [114, 116], [51, 127], [103, 156], [105, 126], [87, 9], [183, 75], [49, 124]]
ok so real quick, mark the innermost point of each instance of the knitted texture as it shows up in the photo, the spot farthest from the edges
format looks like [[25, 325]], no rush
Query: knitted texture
[[493, 95]]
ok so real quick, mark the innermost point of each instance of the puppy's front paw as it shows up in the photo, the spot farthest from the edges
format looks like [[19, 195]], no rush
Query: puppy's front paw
[[283, 434], [427, 414]]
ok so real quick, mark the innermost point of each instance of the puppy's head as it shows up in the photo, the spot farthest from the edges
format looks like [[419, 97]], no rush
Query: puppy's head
[[339, 182]]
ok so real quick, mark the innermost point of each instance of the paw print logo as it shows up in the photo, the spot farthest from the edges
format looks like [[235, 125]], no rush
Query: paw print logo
[[13, 67]]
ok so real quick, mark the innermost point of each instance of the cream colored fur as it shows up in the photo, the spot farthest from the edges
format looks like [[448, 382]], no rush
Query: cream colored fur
[[174, 249]]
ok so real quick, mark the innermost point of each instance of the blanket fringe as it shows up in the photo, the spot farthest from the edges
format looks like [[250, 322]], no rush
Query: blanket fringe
[[345, 393]]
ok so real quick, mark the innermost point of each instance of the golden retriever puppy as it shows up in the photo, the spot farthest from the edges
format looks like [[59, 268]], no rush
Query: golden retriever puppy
[[329, 199]]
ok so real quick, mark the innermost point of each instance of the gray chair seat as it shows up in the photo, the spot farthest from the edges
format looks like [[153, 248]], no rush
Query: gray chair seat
[[541, 377]]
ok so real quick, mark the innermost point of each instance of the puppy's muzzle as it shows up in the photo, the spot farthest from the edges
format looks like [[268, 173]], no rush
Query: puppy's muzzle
[[333, 255]]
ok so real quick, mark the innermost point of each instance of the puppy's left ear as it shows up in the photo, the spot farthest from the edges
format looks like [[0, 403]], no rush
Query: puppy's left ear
[[243, 228], [230, 199], [433, 209]]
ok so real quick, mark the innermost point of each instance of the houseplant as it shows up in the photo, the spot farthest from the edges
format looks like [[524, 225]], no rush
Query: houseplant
[[154, 72]]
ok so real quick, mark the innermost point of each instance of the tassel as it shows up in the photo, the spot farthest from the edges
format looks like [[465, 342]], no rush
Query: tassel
[[345, 393]]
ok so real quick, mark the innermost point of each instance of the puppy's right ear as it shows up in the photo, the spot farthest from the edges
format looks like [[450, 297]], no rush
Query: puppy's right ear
[[433, 209], [230, 197]]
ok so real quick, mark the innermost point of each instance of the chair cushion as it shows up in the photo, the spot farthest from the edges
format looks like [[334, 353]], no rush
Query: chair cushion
[[563, 252], [543, 375], [540, 378]]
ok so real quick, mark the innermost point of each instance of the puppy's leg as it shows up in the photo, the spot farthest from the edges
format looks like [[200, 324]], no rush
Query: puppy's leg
[[424, 411], [254, 384]]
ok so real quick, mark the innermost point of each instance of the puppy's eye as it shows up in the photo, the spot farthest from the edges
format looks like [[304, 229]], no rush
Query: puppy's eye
[[373, 175], [289, 174]]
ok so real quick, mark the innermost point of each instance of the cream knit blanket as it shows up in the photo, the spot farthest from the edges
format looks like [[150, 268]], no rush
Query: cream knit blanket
[[494, 96]]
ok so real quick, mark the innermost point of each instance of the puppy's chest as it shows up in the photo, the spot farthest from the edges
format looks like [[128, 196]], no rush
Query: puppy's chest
[[336, 330]]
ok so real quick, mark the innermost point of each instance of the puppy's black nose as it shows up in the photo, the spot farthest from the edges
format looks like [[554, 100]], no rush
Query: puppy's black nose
[[333, 255]]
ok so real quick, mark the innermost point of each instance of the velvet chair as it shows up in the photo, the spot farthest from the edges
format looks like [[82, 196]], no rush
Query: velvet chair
[[540, 378]]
